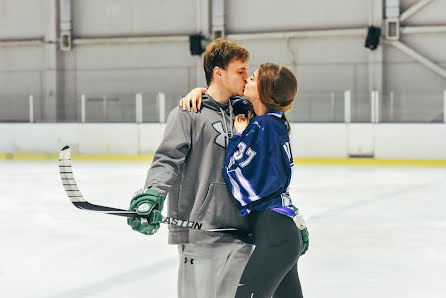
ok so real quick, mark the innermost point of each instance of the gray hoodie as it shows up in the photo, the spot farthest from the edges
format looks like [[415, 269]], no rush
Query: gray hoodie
[[187, 168]]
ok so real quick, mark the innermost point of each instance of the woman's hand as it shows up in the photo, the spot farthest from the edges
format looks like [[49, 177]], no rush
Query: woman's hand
[[192, 99], [240, 123]]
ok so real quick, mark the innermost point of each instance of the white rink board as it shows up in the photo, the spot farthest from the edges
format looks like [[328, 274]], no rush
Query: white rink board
[[319, 140]]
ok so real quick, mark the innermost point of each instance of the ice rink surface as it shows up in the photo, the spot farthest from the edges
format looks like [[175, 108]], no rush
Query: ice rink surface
[[374, 232]]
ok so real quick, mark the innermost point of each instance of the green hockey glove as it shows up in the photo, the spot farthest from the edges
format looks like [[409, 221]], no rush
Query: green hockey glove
[[148, 203], [305, 241], [302, 226]]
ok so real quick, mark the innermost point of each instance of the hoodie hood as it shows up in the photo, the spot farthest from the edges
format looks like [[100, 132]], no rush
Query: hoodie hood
[[212, 104]]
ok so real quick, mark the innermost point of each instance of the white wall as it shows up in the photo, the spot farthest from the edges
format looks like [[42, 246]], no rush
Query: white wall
[[386, 141], [322, 64]]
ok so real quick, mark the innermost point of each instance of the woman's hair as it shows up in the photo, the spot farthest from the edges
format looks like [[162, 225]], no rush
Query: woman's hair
[[277, 87]]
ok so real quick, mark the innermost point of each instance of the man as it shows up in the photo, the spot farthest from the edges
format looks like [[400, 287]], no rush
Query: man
[[187, 166]]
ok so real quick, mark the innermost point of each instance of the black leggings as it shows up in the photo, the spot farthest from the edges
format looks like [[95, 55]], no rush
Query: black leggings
[[272, 269]]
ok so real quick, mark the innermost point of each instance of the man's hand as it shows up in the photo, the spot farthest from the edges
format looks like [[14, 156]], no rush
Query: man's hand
[[193, 99], [148, 203]]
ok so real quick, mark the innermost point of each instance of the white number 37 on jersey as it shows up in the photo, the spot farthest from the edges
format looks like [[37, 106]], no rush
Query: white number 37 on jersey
[[240, 154]]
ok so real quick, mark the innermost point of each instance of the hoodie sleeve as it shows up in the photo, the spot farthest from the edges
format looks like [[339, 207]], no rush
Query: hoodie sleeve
[[171, 153]]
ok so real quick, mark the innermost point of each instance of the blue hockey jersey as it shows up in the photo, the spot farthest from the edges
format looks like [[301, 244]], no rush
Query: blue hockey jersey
[[258, 165]]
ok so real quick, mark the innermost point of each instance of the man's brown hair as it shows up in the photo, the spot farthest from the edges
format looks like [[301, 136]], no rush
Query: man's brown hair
[[220, 52]]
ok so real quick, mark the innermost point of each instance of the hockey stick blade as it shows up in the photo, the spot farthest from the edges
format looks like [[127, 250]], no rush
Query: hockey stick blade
[[76, 197]]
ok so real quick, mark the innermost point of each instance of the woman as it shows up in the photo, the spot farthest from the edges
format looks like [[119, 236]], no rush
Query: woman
[[257, 171]]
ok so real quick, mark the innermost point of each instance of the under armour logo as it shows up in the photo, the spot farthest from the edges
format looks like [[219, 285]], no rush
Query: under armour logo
[[220, 139], [186, 260]]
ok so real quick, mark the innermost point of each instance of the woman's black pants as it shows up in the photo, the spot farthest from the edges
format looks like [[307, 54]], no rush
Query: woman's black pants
[[272, 269]]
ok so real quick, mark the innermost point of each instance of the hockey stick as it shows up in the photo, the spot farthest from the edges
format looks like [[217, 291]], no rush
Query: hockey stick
[[75, 196]]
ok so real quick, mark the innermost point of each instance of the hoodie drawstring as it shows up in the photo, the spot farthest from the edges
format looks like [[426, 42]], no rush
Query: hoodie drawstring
[[225, 125], [231, 116]]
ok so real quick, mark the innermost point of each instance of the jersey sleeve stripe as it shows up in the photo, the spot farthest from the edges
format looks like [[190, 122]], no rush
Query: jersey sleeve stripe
[[246, 185], [236, 190]]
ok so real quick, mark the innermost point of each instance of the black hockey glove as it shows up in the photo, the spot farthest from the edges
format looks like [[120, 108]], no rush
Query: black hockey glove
[[240, 105]]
